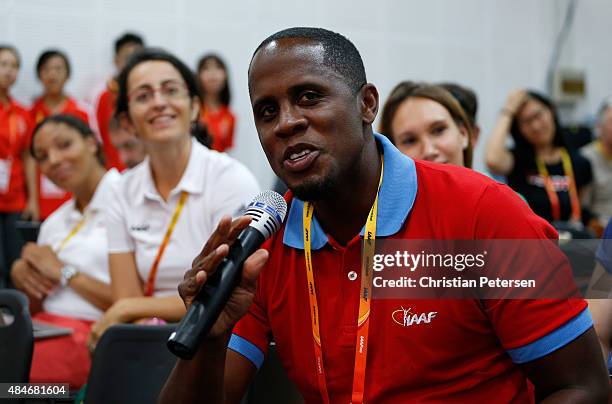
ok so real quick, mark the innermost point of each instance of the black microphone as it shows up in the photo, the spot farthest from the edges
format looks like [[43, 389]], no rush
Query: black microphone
[[268, 211]]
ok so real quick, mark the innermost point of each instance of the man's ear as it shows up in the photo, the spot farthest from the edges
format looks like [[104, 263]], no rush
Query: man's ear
[[368, 96]]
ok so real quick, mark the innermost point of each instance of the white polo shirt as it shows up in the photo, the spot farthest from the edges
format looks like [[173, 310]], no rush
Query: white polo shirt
[[86, 251], [138, 217]]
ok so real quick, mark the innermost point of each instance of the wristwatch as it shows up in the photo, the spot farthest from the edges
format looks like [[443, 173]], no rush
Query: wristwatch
[[68, 272]]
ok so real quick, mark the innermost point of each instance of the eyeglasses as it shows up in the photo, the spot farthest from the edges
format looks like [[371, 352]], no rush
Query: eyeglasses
[[169, 90], [536, 116]]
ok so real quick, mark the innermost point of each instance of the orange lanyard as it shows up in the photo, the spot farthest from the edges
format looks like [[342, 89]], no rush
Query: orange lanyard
[[74, 231], [363, 319], [550, 189], [164, 244]]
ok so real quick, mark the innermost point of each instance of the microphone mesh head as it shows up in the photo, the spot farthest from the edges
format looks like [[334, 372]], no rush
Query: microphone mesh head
[[274, 200]]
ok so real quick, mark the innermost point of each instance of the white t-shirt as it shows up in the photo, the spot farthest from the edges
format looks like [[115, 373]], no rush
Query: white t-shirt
[[86, 251], [138, 217]]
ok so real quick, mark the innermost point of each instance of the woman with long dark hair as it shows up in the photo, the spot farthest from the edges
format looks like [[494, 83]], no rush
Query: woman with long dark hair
[[425, 122], [66, 271], [166, 207], [216, 114], [540, 166]]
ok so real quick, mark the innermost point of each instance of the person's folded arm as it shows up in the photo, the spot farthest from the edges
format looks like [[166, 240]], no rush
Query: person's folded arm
[[93, 290], [130, 309], [27, 279], [46, 262], [125, 281]]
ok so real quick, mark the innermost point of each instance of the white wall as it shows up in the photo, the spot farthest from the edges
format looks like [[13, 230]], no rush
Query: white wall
[[489, 45], [589, 48]]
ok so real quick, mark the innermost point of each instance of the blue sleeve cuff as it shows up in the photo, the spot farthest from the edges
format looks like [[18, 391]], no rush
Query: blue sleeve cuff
[[555, 340], [246, 349]]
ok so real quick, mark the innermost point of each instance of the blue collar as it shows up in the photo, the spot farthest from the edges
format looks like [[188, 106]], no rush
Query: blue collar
[[396, 197]]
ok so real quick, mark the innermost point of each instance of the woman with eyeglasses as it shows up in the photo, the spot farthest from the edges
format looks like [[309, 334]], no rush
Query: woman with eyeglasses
[[169, 205], [540, 166]]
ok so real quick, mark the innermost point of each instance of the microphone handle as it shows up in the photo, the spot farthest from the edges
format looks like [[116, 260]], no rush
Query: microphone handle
[[213, 296]]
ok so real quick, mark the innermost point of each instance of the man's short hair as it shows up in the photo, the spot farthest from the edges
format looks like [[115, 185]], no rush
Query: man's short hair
[[128, 38], [340, 54]]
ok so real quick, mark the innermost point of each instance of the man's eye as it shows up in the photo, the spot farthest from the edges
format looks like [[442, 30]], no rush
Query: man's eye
[[309, 96], [267, 111]]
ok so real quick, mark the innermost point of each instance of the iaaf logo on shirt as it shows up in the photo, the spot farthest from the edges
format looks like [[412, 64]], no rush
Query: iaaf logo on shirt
[[140, 227], [406, 318]]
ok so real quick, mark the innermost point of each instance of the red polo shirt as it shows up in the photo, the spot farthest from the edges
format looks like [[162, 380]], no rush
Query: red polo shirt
[[51, 197], [220, 126], [105, 109], [466, 353], [15, 127]]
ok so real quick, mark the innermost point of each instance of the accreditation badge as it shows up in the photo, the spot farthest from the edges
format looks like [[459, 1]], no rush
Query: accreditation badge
[[49, 190], [5, 175]]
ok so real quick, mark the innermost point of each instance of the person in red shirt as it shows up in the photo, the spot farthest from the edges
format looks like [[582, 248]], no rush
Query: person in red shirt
[[17, 168], [216, 114], [125, 46], [313, 111], [53, 69]]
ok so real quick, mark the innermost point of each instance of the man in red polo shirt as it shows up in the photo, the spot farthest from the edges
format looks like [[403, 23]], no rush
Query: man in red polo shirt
[[125, 46], [313, 111]]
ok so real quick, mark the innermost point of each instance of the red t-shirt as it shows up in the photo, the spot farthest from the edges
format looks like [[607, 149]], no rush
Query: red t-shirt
[[50, 196], [105, 109], [15, 127], [466, 353], [220, 125]]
